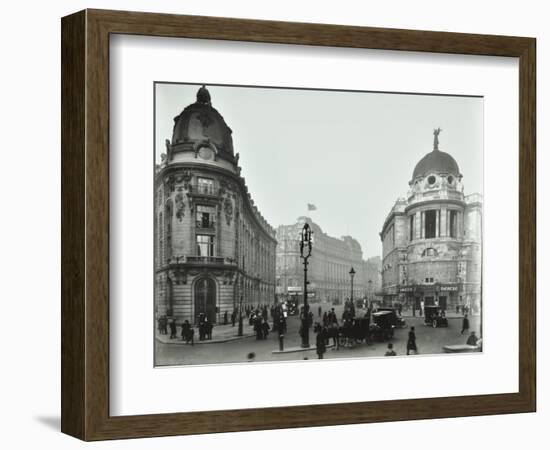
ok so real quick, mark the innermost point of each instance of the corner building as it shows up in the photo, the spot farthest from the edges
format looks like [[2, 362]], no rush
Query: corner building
[[431, 241], [214, 250]]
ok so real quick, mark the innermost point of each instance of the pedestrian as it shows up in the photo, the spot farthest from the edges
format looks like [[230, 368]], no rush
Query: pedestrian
[[185, 327], [280, 329], [265, 329], [320, 311], [208, 329], [390, 351], [465, 324], [159, 325], [173, 330], [225, 317], [233, 317], [258, 328], [411, 342], [320, 341], [472, 339], [334, 332]]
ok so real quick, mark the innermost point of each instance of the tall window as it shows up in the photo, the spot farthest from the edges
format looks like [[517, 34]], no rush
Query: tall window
[[411, 227], [453, 223], [205, 185], [205, 245], [205, 216], [429, 223]]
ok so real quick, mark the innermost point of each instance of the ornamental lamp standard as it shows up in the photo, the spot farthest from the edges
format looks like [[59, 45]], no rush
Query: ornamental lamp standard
[[305, 253], [370, 292], [351, 275]]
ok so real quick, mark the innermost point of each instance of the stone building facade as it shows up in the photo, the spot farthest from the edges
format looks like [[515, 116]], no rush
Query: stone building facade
[[214, 250], [431, 240], [329, 265]]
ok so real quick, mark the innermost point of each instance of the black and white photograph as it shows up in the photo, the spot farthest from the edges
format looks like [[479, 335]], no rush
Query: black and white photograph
[[298, 224]]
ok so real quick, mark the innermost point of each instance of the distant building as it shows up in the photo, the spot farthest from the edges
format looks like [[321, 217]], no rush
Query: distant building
[[329, 266], [213, 248], [372, 275], [431, 241]]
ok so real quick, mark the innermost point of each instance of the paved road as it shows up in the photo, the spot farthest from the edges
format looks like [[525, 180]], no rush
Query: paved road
[[429, 341]]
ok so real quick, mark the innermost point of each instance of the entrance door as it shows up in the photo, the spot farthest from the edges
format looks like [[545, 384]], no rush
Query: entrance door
[[205, 299], [443, 303]]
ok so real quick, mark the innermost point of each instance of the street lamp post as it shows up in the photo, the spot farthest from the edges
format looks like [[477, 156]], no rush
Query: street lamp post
[[370, 292], [351, 275], [305, 253]]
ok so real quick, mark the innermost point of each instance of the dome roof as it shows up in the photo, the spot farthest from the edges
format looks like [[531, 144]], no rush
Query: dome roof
[[200, 122], [436, 161]]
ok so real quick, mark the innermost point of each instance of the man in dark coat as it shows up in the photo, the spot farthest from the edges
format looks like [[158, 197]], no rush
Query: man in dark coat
[[265, 329], [390, 351], [173, 330], [465, 324], [320, 342], [411, 342], [472, 339]]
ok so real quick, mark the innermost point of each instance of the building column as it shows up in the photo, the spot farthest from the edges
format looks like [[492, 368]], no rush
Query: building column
[[417, 225], [443, 222], [437, 214], [422, 223]]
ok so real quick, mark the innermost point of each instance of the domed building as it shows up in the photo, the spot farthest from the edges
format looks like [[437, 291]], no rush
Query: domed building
[[431, 240], [214, 250]]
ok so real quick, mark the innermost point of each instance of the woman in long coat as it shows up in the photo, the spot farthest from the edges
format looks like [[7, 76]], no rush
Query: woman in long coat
[[411, 342]]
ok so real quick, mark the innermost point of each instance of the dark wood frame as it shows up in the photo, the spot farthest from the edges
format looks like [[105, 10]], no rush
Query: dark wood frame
[[85, 224]]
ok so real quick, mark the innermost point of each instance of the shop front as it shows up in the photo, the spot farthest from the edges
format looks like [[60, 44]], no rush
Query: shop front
[[435, 294]]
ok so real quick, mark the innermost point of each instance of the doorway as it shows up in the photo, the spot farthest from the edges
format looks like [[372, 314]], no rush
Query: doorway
[[205, 299]]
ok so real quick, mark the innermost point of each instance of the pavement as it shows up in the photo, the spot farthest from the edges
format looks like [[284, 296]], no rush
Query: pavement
[[220, 334], [448, 314]]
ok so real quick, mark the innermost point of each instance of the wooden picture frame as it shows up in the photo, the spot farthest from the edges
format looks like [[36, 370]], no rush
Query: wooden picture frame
[[85, 224]]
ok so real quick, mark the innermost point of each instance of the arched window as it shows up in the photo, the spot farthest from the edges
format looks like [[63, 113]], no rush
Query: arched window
[[429, 252]]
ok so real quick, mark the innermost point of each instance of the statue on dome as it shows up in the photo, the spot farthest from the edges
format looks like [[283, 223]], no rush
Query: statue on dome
[[436, 138], [203, 96]]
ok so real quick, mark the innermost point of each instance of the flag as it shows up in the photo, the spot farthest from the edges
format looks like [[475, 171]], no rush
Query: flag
[[311, 207]]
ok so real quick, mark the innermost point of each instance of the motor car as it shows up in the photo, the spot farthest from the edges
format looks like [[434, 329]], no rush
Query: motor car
[[435, 317], [397, 320], [382, 326]]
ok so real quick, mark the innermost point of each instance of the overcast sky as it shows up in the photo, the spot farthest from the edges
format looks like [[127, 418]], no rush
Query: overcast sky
[[351, 154]]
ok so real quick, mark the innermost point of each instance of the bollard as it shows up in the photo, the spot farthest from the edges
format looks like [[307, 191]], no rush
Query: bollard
[[281, 342]]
